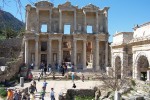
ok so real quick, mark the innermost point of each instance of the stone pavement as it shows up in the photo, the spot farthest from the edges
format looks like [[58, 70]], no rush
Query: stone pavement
[[61, 86]]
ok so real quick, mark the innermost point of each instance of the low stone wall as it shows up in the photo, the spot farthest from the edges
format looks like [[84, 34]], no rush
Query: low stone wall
[[71, 93]]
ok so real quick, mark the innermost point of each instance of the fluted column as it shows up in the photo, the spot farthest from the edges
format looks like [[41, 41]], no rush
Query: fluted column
[[84, 54], [59, 61], [36, 53], [26, 52], [75, 53], [97, 22], [85, 30], [60, 21], [75, 26], [50, 20], [49, 52], [106, 54], [97, 55]]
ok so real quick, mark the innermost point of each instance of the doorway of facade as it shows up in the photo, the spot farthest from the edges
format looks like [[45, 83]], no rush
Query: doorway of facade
[[66, 56], [44, 59]]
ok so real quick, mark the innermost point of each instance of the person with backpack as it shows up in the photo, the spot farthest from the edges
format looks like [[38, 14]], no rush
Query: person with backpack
[[16, 95]]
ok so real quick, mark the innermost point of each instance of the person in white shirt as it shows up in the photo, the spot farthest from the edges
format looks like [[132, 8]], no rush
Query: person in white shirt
[[52, 94]]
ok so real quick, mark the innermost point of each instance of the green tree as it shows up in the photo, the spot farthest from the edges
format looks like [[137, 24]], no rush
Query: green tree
[[9, 33]]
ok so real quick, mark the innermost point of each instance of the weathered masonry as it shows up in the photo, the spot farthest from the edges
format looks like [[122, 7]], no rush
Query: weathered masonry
[[66, 34]]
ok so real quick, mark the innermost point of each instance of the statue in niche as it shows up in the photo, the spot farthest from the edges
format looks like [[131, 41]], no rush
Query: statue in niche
[[66, 45]]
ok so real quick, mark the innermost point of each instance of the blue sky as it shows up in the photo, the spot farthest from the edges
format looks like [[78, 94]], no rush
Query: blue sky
[[123, 14]]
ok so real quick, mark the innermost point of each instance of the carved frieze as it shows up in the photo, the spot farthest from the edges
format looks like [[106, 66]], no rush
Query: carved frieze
[[80, 36]]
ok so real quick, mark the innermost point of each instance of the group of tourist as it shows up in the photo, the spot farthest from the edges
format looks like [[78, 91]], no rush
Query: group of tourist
[[63, 68]]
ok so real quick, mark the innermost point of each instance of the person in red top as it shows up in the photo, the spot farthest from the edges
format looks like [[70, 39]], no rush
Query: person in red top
[[9, 94]]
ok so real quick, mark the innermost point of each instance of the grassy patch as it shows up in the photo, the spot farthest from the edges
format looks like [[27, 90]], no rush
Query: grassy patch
[[84, 98], [2, 37]]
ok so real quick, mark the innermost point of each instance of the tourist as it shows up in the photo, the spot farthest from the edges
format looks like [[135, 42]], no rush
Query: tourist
[[34, 84], [19, 93], [82, 78], [52, 94], [45, 84], [9, 94], [31, 89], [45, 69], [63, 70], [32, 65], [16, 95], [39, 77], [43, 93], [74, 85], [49, 68], [42, 68], [30, 76], [72, 76]]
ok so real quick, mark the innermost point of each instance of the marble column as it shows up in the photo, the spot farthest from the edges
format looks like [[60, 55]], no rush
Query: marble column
[[60, 21], [27, 17], [49, 52], [38, 23], [97, 55], [85, 26], [84, 54], [36, 53], [106, 54], [97, 22], [75, 26], [148, 75], [75, 53], [59, 52], [50, 20], [26, 52]]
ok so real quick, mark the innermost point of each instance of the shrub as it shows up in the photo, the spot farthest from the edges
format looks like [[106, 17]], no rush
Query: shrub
[[83, 98], [133, 83], [3, 92]]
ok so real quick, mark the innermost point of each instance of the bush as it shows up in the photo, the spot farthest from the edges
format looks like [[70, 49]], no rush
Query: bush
[[3, 92], [133, 83], [83, 98]]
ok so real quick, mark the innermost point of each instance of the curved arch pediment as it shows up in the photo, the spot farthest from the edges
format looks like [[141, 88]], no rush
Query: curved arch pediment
[[67, 5]]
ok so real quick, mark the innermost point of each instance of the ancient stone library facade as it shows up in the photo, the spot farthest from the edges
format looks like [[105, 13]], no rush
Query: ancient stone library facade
[[66, 34], [131, 51]]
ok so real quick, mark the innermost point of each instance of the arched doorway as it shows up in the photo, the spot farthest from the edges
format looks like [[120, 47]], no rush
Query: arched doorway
[[118, 67], [143, 66]]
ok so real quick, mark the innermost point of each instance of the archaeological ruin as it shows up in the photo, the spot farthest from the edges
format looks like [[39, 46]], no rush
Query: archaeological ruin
[[67, 33], [130, 50]]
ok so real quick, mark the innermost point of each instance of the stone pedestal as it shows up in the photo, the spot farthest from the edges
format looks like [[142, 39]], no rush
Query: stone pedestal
[[148, 75], [22, 81], [117, 96], [109, 71]]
